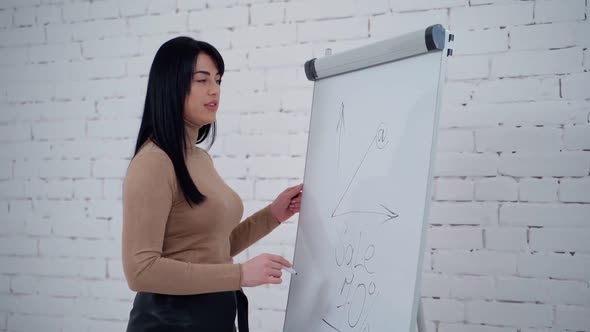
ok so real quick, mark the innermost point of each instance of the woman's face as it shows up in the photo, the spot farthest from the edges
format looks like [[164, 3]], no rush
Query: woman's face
[[200, 105]]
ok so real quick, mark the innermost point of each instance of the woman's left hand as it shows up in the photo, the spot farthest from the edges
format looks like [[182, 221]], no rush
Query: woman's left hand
[[287, 203]]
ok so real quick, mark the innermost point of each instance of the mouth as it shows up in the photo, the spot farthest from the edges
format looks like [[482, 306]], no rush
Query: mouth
[[212, 105]]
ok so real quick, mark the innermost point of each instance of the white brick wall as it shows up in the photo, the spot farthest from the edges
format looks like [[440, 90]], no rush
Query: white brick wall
[[507, 250]]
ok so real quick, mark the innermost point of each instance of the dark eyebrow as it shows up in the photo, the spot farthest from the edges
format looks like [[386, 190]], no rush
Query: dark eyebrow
[[203, 72]]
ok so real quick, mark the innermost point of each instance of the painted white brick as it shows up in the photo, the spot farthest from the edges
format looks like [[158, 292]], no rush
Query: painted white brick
[[297, 100], [244, 188], [113, 188], [560, 266], [97, 29], [235, 59], [547, 164], [426, 4], [477, 262], [435, 285], [459, 327], [87, 188], [496, 189], [574, 190], [115, 47], [146, 25], [273, 123], [78, 11], [101, 148], [480, 41], [207, 19], [89, 268], [240, 81], [267, 35], [57, 33], [537, 190], [526, 63], [121, 128], [491, 16], [517, 89], [133, 7], [24, 16], [444, 310], [587, 59], [191, 4], [546, 36], [505, 239], [109, 168], [560, 240], [468, 67], [62, 129], [250, 102], [52, 169], [298, 145], [575, 86], [559, 10], [577, 138], [267, 13], [313, 10], [518, 314], [472, 287], [458, 93], [543, 290], [466, 164], [256, 145], [9, 56], [463, 213], [277, 167], [267, 190], [6, 18], [15, 132], [18, 246], [49, 188], [454, 238], [49, 14], [572, 317], [5, 169], [18, 3], [162, 6], [530, 214], [115, 269], [19, 150], [55, 52], [22, 36], [390, 25], [518, 139], [79, 248], [349, 28], [279, 56], [446, 189], [230, 168]]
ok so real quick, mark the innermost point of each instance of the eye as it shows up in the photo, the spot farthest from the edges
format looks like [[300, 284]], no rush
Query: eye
[[201, 81], [218, 82]]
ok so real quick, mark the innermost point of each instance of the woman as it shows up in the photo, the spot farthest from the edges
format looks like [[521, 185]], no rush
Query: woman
[[181, 222]]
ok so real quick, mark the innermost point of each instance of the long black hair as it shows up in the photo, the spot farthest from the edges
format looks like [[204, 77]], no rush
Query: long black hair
[[169, 83]]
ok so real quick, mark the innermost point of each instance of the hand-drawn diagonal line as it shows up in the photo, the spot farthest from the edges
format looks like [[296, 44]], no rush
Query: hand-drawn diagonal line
[[330, 325], [353, 176]]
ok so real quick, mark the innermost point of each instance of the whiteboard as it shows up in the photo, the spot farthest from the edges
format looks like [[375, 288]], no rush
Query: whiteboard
[[359, 246]]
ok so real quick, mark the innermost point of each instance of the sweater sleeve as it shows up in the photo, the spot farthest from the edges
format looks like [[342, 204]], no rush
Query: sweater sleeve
[[148, 195], [251, 230]]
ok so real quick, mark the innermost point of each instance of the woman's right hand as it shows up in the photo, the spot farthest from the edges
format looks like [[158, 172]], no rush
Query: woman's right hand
[[263, 269]]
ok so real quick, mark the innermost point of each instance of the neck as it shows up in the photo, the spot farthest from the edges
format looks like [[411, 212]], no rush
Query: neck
[[191, 132]]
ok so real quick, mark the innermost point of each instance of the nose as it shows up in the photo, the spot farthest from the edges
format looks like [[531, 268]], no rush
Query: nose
[[213, 89]]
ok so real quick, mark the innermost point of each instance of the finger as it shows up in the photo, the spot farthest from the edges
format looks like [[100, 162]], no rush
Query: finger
[[275, 273], [280, 260], [295, 189], [297, 199], [273, 280], [275, 265]]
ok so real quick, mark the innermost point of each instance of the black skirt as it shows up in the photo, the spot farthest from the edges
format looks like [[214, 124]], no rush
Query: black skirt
[[210, 312]]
